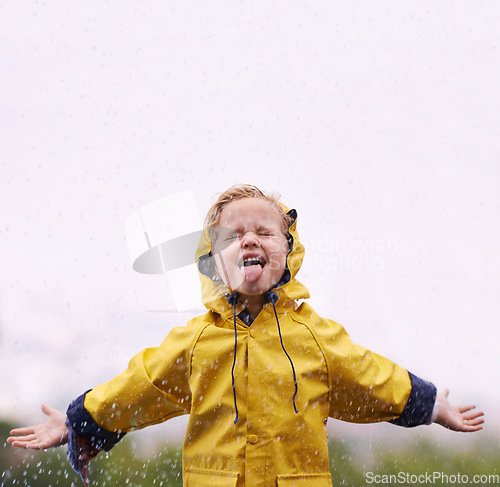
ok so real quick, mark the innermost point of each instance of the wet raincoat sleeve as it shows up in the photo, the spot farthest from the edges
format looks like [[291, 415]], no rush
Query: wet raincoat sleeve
[[151, 390], [366, 387]]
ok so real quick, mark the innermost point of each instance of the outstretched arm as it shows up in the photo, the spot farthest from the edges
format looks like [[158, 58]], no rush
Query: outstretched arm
[[457, 418], [53, 432]]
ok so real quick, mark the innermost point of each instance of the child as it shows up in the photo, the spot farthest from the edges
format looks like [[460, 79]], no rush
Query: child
[[258, 374]]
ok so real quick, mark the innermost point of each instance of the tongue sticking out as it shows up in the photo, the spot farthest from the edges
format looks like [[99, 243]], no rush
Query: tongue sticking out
[[252, 272]]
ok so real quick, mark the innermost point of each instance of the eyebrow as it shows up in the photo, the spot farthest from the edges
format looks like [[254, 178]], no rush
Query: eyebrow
[[264, 227]]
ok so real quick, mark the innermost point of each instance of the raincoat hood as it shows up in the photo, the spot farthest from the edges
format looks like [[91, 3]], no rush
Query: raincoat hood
[[215, 292]]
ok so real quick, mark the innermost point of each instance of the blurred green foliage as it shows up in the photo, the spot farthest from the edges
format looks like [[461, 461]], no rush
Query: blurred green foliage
[[350, 461], [354, 464]]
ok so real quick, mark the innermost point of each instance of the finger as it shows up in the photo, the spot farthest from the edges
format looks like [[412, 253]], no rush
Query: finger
[[464, 409], [446, 392], [20, 443], [474, 421], [11, 439], [29, 441], [48, 410], [473, 414], [29, 430]]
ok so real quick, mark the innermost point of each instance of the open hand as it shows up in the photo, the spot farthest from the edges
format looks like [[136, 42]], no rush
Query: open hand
[[458, 418], [53, 432]]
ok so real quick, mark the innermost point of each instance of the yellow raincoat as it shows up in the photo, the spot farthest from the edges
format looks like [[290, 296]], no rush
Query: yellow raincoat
[[270, 445]]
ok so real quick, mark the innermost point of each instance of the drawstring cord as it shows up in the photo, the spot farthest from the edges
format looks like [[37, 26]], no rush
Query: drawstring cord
[[232, 299], [273, 297]]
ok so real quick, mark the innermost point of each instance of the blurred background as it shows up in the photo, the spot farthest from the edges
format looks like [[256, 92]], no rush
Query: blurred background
[[377, 121]]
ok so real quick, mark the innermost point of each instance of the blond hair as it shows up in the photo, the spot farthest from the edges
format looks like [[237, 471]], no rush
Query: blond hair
[[238, 192]]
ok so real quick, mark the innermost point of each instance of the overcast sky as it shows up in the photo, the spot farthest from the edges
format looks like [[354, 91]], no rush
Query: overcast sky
[[377, 121]]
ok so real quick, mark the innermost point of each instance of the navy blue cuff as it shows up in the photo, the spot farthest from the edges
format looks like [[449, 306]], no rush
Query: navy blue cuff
[[82, 424], [418, 409]]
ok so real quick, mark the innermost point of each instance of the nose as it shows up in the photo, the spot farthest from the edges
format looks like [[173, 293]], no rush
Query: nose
[[250, 239]]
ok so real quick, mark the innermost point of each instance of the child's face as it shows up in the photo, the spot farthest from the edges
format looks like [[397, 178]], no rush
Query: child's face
[[250, 248]]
